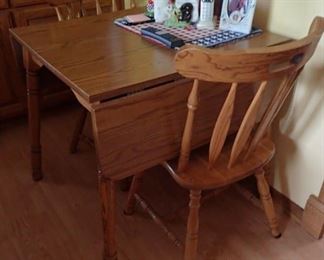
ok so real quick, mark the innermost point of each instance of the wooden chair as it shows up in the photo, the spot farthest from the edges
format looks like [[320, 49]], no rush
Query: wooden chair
[[73, 9], [228, 160]]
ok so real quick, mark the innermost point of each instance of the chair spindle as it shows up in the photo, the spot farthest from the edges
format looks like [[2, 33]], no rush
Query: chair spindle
[[273, 109], [247, 125], [222, 125], [187, 134]]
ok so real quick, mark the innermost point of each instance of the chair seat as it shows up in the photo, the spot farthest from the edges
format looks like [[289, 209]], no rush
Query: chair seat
[[198, 176]]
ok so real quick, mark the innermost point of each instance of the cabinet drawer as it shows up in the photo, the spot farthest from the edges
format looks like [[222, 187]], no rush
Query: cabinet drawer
[[3, 4]]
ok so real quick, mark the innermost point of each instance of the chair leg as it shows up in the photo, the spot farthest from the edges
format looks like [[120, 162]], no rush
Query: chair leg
[[192, 226], [124, 184], [108, 202], [78, 130], [131, 200], [267, 202]]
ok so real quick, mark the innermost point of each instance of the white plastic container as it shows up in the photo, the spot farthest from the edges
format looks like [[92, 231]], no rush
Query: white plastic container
[[161, 10], [206, 20]]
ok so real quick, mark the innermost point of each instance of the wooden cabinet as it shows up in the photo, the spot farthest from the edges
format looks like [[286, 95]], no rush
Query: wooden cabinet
[[5, 89], [3, 4], [11, 83]]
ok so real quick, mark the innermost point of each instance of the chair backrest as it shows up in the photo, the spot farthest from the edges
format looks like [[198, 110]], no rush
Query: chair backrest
[[71, 9], [259, 65]]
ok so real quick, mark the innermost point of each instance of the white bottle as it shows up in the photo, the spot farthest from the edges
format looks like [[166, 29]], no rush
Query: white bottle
[[160, 10], [206, 20]]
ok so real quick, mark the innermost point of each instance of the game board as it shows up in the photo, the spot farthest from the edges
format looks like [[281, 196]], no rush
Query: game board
[[201, 37]]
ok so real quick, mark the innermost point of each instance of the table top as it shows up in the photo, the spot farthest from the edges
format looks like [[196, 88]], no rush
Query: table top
[[100, 60]]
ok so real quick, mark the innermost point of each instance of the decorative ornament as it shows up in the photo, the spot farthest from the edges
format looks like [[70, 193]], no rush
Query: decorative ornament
[[150, 8]]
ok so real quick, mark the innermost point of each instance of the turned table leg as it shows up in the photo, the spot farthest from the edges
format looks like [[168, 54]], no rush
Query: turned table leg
[[107, 196], [33, 101]]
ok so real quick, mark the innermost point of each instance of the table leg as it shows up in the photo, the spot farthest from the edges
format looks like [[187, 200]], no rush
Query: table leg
[[33, 99], [107, 196]]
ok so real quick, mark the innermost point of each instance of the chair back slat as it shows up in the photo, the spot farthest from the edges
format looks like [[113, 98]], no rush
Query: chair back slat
[[272, 110], [98, 8], [247, 125], [252, 66], [317, 26], [187, 134], [59, 15], [132, 4], [222, 125]]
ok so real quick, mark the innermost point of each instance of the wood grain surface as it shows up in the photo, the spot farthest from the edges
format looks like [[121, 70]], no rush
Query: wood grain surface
[[59, 218], [144, 129], [100, 60]]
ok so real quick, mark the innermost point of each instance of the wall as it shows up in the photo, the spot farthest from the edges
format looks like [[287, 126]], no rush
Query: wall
[[299, 132]]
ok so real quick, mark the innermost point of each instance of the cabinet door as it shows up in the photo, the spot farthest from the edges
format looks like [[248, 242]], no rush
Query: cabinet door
[[5, 85], [11, 86], [3, 4]]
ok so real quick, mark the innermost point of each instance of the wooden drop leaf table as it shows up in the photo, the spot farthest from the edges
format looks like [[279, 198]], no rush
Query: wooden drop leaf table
[[129, 85]]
